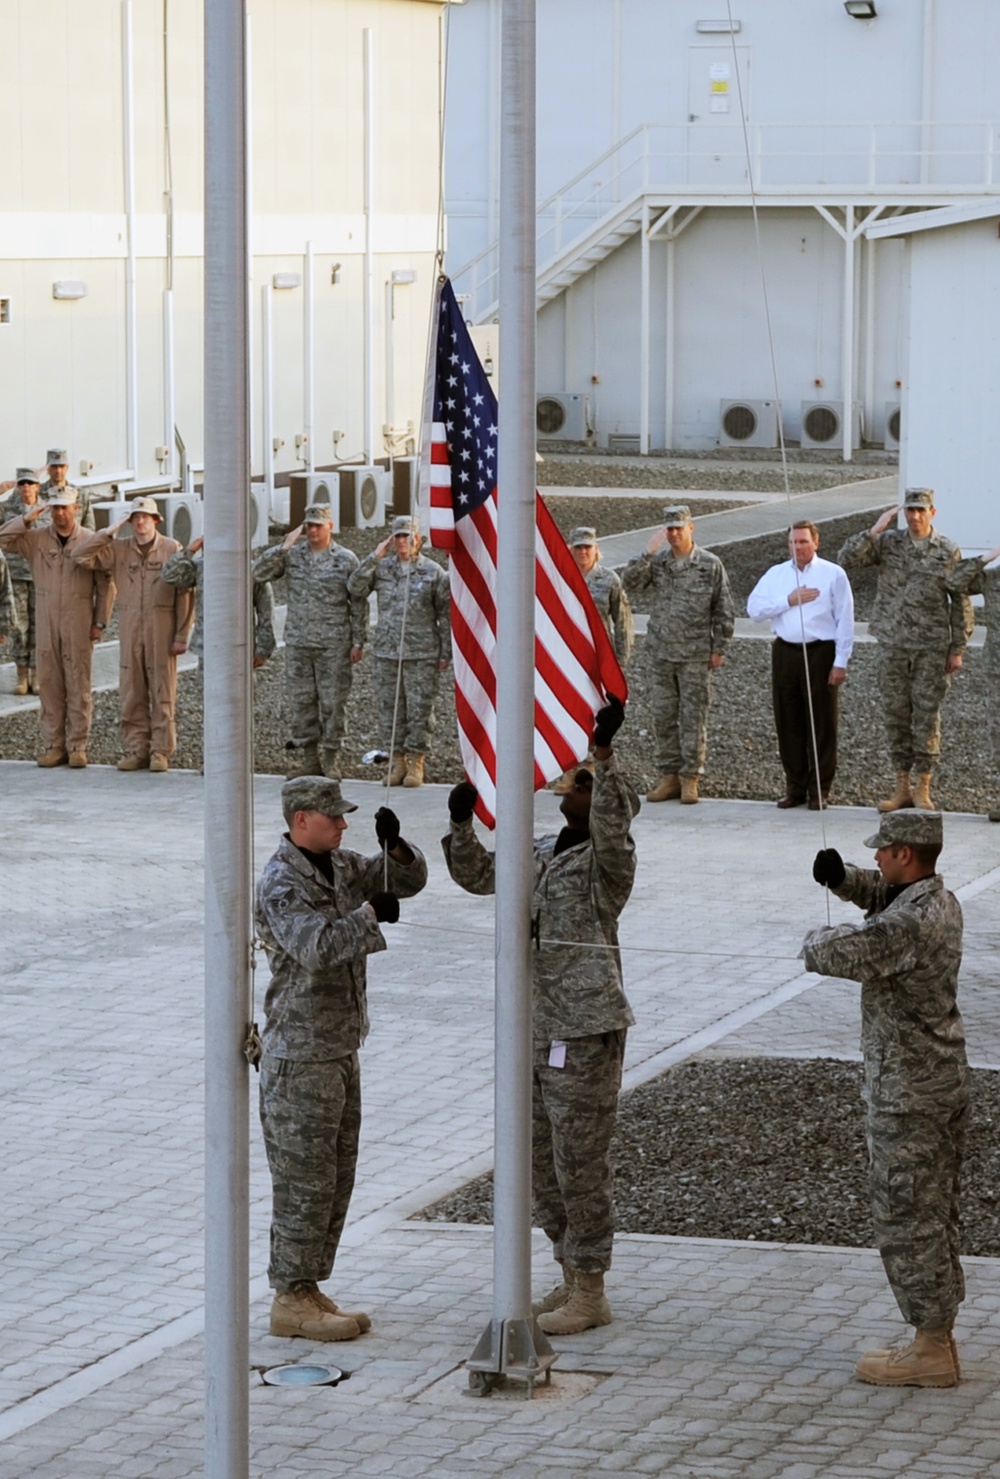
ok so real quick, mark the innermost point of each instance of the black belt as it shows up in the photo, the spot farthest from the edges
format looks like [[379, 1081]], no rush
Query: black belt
[[819, 642]]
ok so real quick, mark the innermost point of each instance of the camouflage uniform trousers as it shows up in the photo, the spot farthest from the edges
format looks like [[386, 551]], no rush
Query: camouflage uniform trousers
[[317, 686], [916, 1161], [22, 637], [913, 687], [680, 693], [310, 1114], [418, 685], [573, 1113]]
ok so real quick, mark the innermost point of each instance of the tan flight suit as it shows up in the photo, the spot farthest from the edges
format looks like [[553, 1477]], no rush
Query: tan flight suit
[[69, 601], [152, 616]]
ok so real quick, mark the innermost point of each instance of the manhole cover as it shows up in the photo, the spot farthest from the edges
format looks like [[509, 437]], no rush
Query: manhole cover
[[304, 1375]]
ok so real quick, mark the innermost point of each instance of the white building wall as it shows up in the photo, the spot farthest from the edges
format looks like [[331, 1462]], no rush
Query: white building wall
[[62, 204], [892, 113], [952, 431]]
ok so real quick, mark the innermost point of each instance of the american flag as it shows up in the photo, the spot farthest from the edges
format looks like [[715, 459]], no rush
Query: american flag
[[575, 664]]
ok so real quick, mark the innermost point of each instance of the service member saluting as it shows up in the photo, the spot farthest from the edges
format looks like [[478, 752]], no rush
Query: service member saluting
[[916, 1091]]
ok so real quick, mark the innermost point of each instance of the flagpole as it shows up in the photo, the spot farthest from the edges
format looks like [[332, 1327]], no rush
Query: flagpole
[[228, 833], [512, 1343]]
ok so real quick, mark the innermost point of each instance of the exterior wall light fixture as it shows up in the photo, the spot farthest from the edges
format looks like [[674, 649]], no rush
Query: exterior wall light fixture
[[862, 10]]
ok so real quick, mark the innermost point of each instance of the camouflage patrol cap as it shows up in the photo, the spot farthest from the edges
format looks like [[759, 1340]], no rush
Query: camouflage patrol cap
[[63, 497], [140, 506], [914, 828], [314, 793], [56, 457], [919, 498], [318, 513], [677, 516], [584, 535], [402, 524], [27, 475]]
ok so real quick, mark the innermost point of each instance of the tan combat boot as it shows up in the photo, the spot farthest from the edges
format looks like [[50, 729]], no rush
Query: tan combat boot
[[158, 762], [922, 793], [304, 761], [331, 765], [585, 1308], [297, 1313], [928, 1361], [414, 771], [668, 788], [902, 796], [52, 757], [21, 686], [689, 790], [556, 1297], [32, 681], [363, 1321], [78, 759], [134, 762], [397, 771]]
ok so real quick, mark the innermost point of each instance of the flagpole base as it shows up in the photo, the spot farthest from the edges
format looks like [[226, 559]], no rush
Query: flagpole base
[[509, 1348]]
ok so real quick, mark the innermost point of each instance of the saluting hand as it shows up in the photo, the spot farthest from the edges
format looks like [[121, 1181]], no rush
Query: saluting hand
[[880, 525]]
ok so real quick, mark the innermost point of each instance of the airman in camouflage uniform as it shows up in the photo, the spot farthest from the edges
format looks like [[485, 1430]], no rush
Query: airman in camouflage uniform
[[318, 911], [412, 644], [691, 624], [922, 630], [58, 462], [974, 578], [185, 571], [324, 637], [907, 956], [583, 878], [14, 505]]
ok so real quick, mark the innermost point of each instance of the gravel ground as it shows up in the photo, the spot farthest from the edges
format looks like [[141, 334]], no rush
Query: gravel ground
[[761, 473], [779, 1156]]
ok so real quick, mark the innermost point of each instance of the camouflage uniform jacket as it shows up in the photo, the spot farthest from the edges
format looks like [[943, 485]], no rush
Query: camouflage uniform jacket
[[322, 608], [613, 605], [691, 614], [907, 956], [971, 578], [913, 607], [317, 936], [185, 572], [13, 506], [8, 611], [428, 606], [84, 512], [578, 897]]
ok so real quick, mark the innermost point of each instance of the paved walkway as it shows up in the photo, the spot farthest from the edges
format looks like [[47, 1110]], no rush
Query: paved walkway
[[725, 1360]]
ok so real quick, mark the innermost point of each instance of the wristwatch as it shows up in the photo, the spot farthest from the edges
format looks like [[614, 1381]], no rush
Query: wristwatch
[[101, 626]]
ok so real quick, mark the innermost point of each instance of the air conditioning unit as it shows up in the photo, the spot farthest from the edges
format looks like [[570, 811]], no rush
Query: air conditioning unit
[[309, 489], [748, 424], [822, 423], [405, 485], [109, 512], [364, 493], [562, 417], [183, 516], [893, 426], [260, 515]]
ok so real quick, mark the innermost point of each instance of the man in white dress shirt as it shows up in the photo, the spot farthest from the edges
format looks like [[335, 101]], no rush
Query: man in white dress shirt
[[806, 600]]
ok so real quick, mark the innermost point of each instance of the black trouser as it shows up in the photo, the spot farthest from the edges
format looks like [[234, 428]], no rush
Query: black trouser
[[790, 698]]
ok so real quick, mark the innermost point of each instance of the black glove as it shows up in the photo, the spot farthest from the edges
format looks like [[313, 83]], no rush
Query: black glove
[[386, 908], [386, 828], [608, 722], [828, 867], [462, 801]]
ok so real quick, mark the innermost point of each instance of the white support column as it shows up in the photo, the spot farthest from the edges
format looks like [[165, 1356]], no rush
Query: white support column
[[847, 346], [267, 388], [869, 333], [644, 335], [670, 341], [131, 336], [169, 385], [309, 355], [369, 290]]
